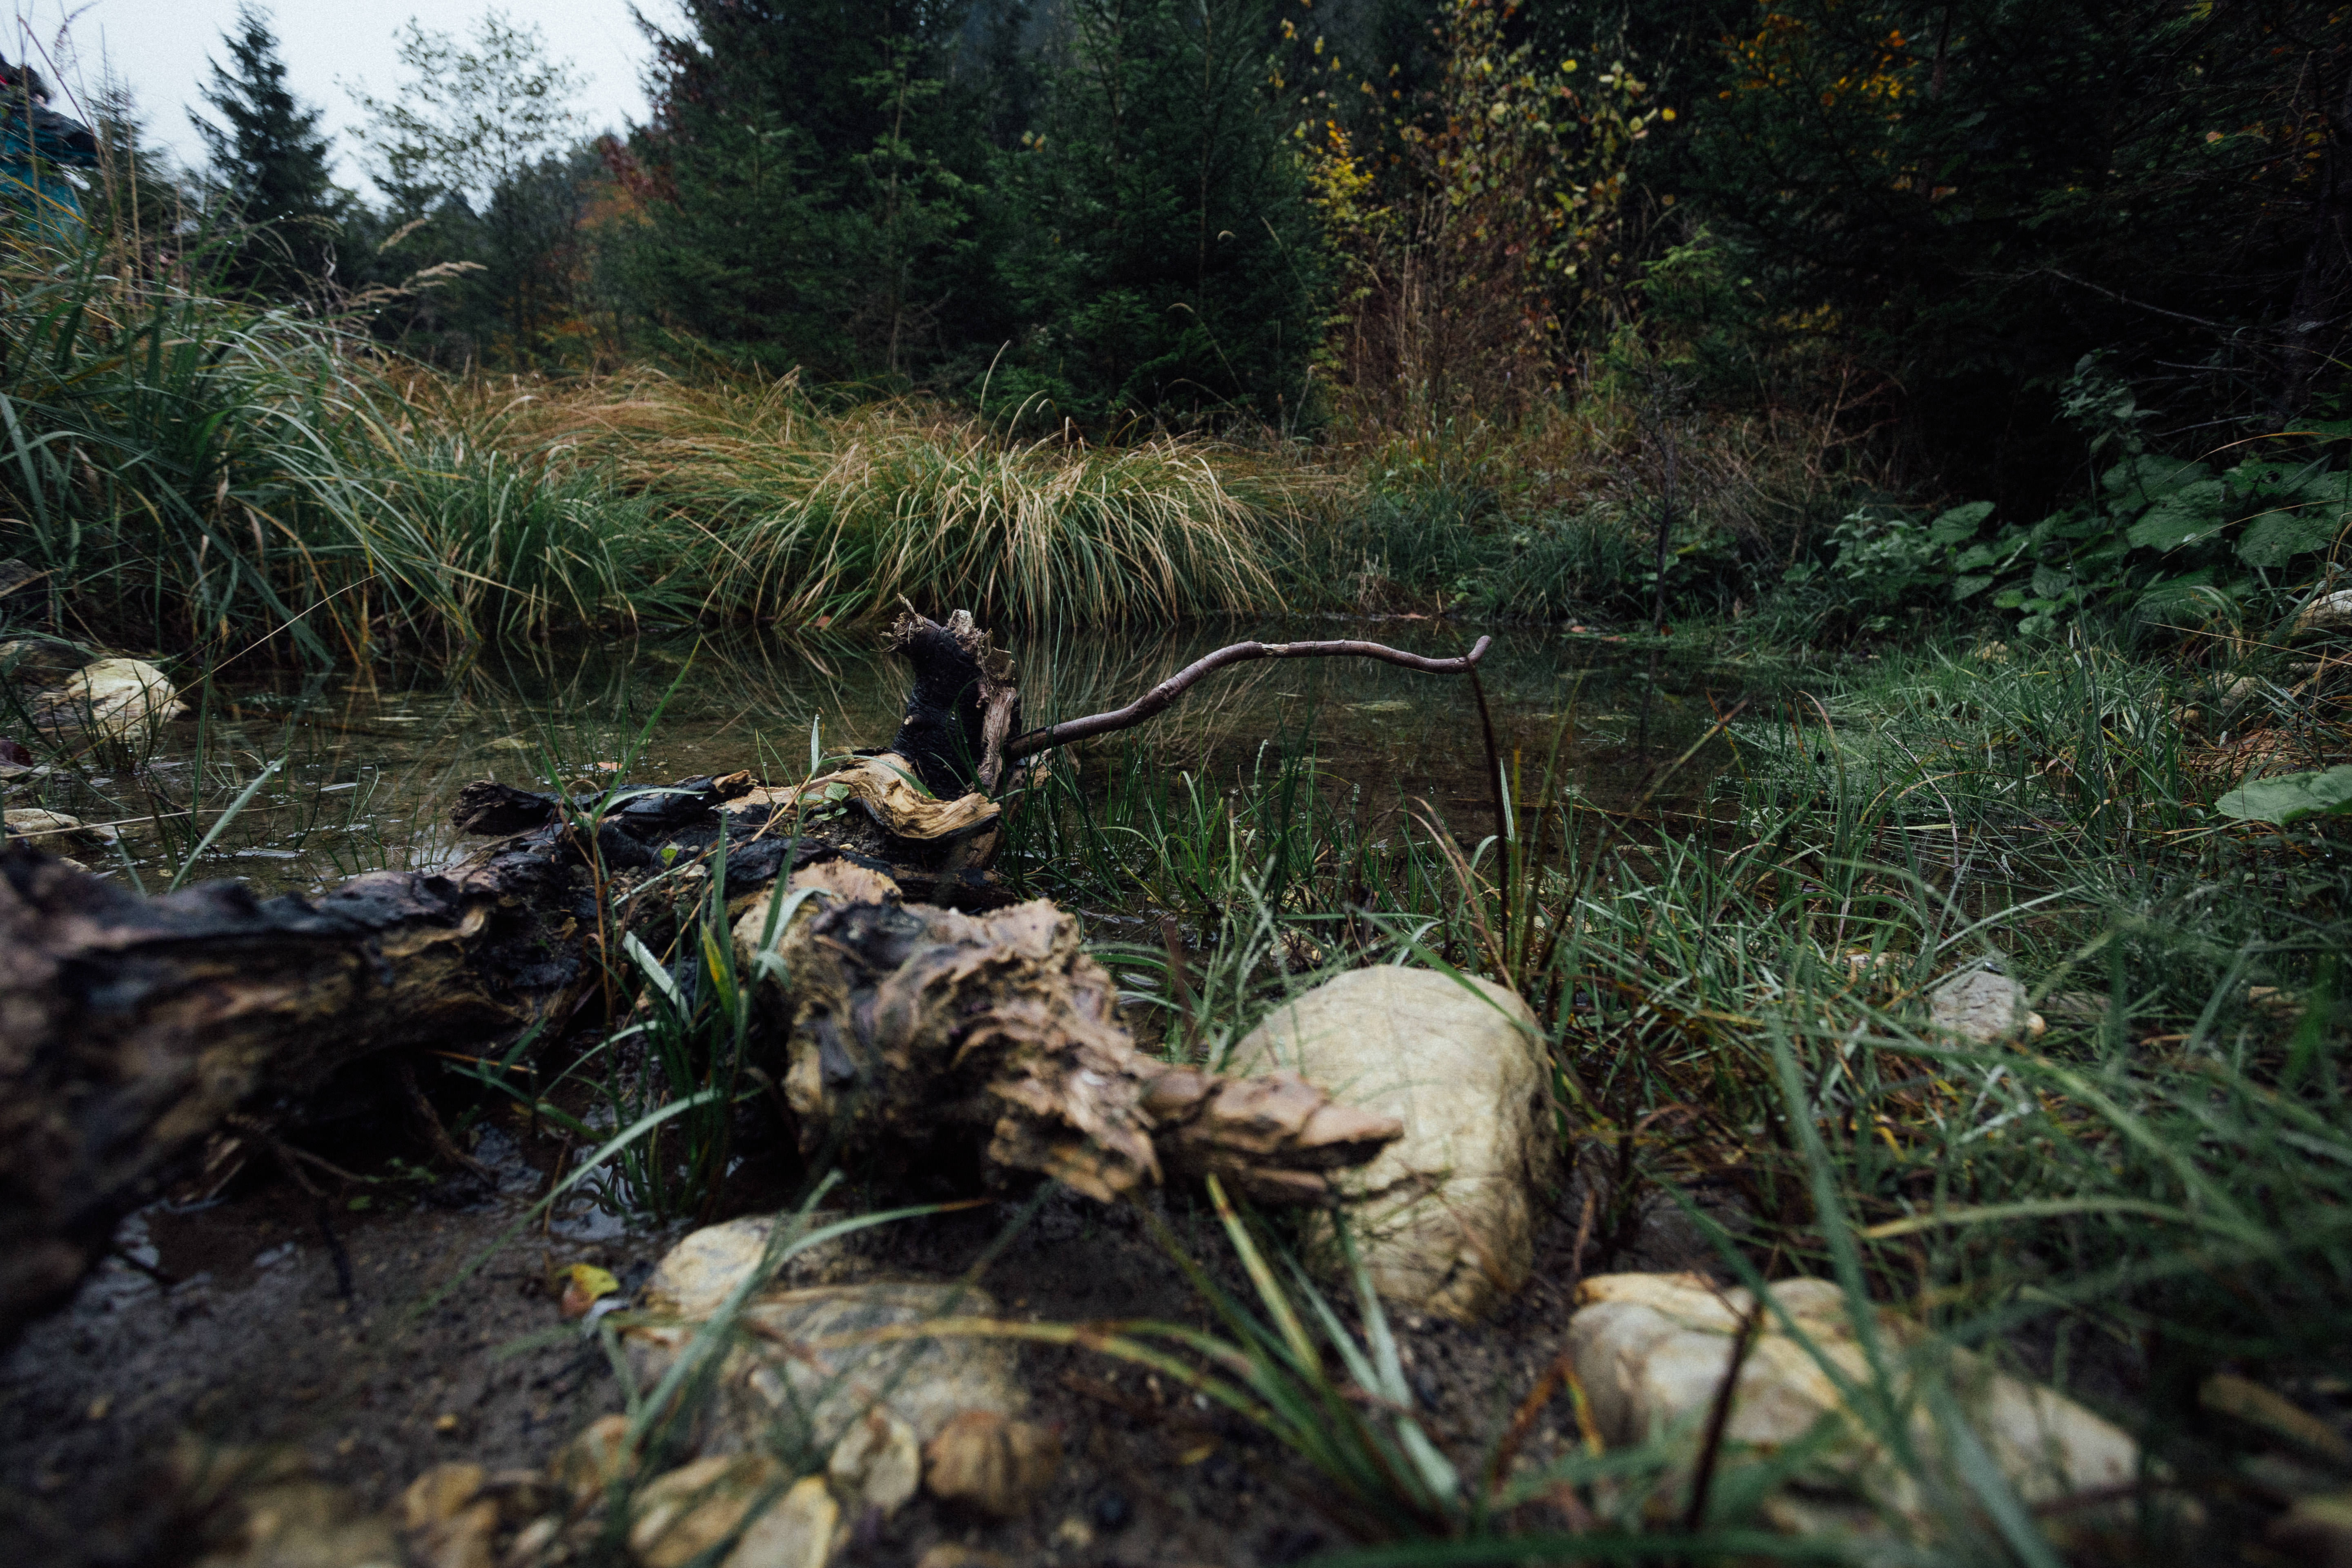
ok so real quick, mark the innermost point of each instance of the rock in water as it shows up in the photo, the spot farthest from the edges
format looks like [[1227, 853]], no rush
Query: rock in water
[[1445, 1216], [50, 831], [1982, 1007], [119, 699], [1652, 1351], [809, 1361]]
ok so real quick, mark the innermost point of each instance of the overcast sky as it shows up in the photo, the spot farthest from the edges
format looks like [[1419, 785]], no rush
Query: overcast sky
[[160, 47]]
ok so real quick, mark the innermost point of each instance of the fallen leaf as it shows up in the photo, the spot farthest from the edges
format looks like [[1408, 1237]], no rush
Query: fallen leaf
[[584, 1285]]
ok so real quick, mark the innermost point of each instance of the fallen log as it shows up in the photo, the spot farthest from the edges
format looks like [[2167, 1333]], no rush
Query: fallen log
[[991, 1043], [923, 1014]]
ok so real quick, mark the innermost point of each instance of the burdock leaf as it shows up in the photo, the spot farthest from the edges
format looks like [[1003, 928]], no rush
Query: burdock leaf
[[2291, 797]]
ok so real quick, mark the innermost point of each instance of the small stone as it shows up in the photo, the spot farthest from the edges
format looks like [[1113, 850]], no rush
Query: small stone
[[878, 1464], [462, 1540], [695, 1278], [683, 1514], [1982, 1007], [531, 1543], [53, 831], [771, 1376], [594, 1459], [987, 1462], [795, 1531], [1445, 1216], [439, 1493]]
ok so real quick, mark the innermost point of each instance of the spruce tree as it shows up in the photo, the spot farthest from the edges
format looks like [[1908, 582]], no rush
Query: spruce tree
[[269, 163], [1163, 250], [809, 186], [134, 198]]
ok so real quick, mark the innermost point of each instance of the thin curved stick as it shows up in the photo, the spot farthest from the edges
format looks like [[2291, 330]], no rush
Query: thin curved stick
[[1168, 691]]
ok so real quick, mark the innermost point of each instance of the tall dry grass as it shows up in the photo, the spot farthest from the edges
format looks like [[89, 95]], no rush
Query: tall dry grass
[[804, 510]]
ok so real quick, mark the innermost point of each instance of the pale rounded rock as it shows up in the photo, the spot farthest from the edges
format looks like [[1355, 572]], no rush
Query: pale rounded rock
[[1982, 1007], [1445, 1217], [878, 1464], [1651, 1350], [685, 1514], [797, 1531], [819, 1359], [52, 831], [120, 700]]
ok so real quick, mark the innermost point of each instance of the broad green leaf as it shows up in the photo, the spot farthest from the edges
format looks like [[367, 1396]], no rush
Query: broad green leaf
[[2049, 582], [2290, 797], [1967, 587], [2153, 475], [2168, 595], [1959, 525], [2276, 536], [2189, 513]]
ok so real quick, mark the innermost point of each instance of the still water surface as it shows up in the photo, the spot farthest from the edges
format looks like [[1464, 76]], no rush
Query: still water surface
[[371, 759]]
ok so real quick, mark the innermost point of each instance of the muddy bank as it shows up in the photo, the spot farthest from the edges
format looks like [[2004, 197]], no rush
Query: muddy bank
[[253, 1342]]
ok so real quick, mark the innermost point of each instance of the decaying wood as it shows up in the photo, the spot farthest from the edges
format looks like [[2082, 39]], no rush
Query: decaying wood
[[131, 1027], [993, 1041], [963, 704], [924, 1014]]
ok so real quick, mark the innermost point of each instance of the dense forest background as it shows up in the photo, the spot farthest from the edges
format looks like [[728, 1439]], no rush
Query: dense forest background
[[1863, 307], [1283, 212]]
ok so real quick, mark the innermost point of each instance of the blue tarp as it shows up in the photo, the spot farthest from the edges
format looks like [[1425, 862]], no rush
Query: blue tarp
[[36, 143]]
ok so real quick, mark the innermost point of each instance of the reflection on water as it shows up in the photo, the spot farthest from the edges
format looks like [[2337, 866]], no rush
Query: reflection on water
[[372, 759]]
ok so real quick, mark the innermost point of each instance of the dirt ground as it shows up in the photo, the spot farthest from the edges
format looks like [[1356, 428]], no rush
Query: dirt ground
[[244, 1328]]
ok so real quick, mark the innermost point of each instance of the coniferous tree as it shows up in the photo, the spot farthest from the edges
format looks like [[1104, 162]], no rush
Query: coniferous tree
[[810, 186], [135, 197], [1164, 252], [269, 164]]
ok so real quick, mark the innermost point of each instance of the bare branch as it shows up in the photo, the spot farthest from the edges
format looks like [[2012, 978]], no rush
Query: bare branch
[[1175, 686]]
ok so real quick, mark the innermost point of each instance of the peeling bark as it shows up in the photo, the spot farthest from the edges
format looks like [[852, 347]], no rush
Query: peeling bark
[[919, 1029]]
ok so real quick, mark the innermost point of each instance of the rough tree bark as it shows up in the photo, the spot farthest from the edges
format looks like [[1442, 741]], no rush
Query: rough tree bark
[[131, 1028]]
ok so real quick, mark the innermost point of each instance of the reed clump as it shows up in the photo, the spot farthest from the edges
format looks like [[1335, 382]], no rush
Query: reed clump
[[814, 510], [182, 471]]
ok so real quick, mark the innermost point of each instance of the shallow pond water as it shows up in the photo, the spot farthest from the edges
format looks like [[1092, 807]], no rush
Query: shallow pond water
[[370, 760]]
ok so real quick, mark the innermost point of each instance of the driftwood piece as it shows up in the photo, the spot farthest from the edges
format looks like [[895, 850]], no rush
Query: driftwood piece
[[992, 1043], [131, 1027], [1152, 702], [963, 704]]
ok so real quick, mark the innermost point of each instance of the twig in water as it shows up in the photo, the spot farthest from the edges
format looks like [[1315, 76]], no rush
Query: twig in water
[[1175, 686]]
